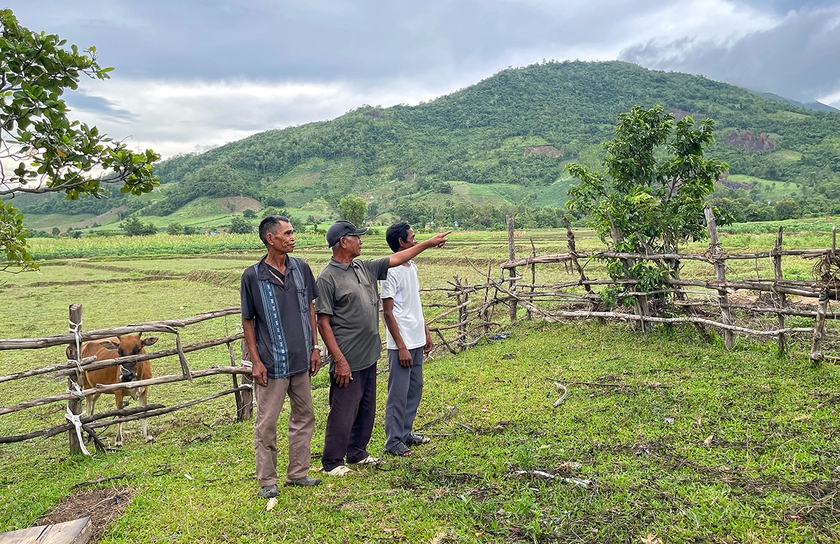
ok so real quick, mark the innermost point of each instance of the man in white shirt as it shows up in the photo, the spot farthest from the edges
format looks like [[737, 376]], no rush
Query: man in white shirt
[[408, 340]]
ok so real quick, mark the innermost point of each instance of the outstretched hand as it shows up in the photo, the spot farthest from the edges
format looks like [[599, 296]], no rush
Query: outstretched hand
[[439, 240]]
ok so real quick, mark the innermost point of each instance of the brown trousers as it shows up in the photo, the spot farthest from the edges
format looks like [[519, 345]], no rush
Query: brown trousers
[[301, 425]]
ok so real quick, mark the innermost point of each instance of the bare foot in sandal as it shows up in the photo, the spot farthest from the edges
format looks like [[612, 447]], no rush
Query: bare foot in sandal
[[400, 450]]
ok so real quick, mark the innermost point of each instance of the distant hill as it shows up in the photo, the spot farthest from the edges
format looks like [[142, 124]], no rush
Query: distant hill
[[815, 105], [501, 142]]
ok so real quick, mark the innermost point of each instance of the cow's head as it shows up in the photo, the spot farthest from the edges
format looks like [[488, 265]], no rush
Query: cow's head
[[130, 344]]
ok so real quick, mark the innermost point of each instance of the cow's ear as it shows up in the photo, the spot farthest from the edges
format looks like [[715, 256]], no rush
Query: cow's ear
[[150, 340], [107, 344]]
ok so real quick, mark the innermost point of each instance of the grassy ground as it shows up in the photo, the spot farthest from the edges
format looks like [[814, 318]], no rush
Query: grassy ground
[[678, 439]]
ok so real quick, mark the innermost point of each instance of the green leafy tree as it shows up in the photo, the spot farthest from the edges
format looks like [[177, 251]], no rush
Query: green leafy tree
[[134, 227], [240, 225], [174, 229], [651, 196], [51, 153], [787, 209], [249, 214], [353, 209]]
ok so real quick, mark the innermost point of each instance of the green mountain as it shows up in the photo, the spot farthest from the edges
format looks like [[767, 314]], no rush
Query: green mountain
[[500, 143]]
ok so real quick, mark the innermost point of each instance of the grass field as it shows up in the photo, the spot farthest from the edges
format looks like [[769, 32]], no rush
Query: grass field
[[678, 439]]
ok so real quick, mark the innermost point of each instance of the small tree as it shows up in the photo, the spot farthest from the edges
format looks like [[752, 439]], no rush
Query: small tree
[[352, 208], [174, 229], [249, 214], [134, 227], [49, 152], [240, 225], [651, 196]]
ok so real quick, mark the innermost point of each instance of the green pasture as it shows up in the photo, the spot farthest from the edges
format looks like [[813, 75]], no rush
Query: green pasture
[[677, 438]]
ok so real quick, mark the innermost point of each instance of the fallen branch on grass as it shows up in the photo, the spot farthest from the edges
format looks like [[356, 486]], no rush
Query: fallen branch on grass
[[98, 481]]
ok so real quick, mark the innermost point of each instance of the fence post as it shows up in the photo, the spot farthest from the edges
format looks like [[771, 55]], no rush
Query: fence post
[[782, 298], [716, 254], [511, 271], [461, 299], [819, 321], [245, 402], [74, 405], [572, 245], [529, 314]]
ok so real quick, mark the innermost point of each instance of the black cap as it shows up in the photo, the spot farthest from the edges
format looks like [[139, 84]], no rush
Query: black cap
[[342, 228]]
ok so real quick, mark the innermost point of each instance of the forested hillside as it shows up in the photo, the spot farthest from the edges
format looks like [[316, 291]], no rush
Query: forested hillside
[[503, 142]]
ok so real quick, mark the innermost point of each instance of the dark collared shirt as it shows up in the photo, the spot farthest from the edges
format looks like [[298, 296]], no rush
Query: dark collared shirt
[[349, 293], [253, 307]]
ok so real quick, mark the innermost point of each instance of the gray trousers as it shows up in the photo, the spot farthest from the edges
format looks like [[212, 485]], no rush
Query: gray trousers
[[301, 425], [405, 387]]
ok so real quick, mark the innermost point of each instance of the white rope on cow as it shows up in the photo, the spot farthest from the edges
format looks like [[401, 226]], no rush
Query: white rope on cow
[[76, 420]]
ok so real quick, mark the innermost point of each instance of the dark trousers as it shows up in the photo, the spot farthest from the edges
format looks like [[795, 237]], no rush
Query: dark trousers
[[350, 422]]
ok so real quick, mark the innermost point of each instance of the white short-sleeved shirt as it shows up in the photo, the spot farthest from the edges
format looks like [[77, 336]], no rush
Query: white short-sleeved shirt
[[403, 286]]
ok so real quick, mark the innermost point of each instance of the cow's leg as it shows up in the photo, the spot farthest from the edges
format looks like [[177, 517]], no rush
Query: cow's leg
[[143, 399], [118, 397], [90, 403]]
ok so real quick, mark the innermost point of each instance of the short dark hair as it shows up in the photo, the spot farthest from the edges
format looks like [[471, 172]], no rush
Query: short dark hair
[[396, 232], [270, 224]]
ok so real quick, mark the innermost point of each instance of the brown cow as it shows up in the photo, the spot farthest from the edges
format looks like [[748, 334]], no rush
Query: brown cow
[[111, 348]]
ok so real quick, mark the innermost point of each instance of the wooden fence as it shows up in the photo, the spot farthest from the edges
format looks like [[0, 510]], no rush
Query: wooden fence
[[73, 368], [703, 302]]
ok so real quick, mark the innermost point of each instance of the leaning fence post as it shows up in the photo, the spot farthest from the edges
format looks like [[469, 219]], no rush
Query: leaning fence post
[[782, 298], [571, 244], [74, 380], [822, 306], [716, 254], [511, 271]]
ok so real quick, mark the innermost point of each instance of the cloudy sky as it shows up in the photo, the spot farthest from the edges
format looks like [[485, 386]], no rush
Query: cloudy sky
[[193, 74]]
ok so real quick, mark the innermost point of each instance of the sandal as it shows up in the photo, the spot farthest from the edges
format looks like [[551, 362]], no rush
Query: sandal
[[415, 439], [369, 460], [400, 450], [340, 470]]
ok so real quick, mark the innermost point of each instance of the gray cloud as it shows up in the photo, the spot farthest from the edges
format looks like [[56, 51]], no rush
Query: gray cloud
[[796, 59], [358, 40], [106, 108]]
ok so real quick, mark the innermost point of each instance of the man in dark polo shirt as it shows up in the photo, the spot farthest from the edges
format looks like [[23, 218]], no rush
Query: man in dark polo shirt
[[278, 319], [348, 320]]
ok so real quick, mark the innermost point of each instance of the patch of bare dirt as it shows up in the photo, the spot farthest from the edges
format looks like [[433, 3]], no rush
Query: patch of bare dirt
[[749, 141], [98, 219], [102, 506], [239, 203]]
